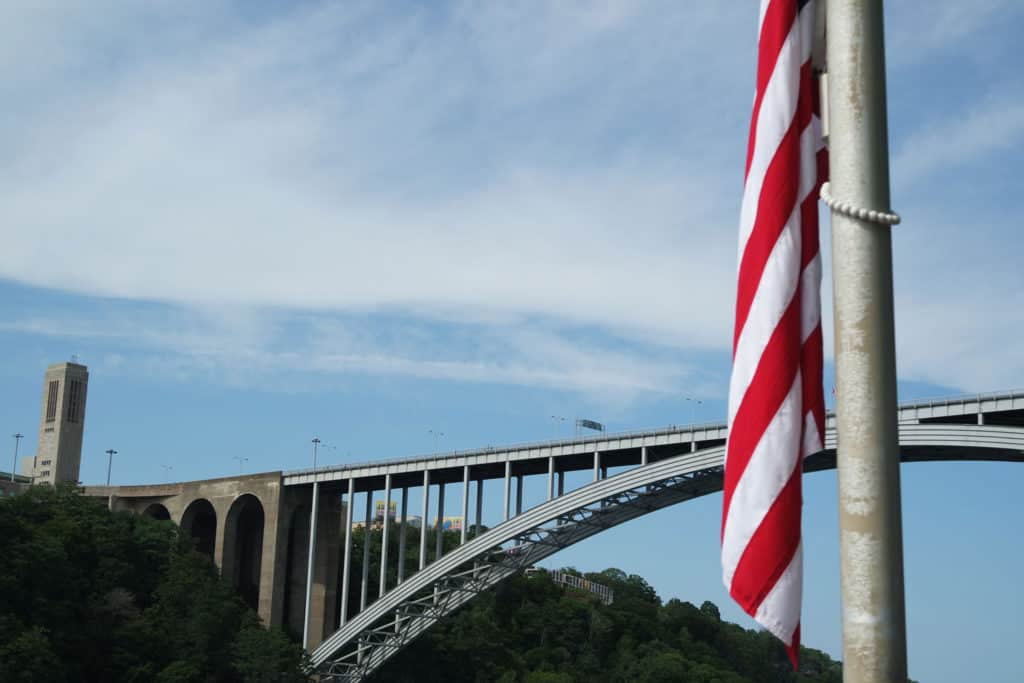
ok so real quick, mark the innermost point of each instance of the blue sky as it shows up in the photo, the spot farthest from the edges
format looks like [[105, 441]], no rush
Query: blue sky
[[364, 221]]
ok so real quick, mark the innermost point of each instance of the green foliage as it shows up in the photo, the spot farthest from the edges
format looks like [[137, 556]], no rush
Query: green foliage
[[531, 630], [90, 595]]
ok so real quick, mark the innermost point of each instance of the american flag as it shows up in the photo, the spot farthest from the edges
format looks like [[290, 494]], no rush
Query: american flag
[[776, 402]]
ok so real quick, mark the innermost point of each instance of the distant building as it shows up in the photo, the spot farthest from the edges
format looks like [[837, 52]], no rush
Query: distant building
[[378, 511], [450, 523], [61, 424]]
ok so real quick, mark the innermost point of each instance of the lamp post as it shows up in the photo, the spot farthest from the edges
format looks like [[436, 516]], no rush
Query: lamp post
[[17, 440], [167, 471], [436, 436], [693, 421], [558, 420], [240, 460], [110, 459]]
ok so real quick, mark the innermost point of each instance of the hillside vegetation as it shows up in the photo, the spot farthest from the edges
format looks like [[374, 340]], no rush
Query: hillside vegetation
[[90, 595]]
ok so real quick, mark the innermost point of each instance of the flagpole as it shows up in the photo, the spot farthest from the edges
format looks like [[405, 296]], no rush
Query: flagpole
[[870, 525]]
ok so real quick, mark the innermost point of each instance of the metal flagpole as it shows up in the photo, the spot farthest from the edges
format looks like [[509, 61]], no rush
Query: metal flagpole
[[870, 526]]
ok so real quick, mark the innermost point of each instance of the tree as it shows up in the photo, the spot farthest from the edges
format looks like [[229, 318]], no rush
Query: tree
[[91, 595], [532, 630]]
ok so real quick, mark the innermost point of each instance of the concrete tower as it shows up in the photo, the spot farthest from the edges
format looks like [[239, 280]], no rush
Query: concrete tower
[[59, 456]]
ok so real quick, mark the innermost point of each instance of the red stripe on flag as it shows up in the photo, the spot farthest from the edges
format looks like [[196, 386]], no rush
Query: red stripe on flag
[[774, 208], [775, 28], [771, 548], [754, 559], [768, 389]]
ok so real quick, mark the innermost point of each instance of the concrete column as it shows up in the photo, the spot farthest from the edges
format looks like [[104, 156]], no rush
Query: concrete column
[[274, 556], [597, 465], [384, 536], [479, 506], [367, 536], [439, 532], [465, 504], [401, 534], [643, 455], [519, 495], [311, 552], [551, 477], [218, 537], [508, 488], [346, 568], [423, 521], [561, 483], [325, 571]]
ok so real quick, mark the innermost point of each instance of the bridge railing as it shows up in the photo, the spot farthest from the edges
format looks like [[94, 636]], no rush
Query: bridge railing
[[627, 434]]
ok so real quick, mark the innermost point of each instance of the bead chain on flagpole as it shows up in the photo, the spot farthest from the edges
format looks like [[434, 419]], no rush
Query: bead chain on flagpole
[[848, 209]]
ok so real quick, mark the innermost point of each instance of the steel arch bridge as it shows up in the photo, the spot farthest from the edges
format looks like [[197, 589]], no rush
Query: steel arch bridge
[[384, 627]]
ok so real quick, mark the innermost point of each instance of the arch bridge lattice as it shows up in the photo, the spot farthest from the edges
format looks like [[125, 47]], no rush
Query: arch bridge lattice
[[667, 468]]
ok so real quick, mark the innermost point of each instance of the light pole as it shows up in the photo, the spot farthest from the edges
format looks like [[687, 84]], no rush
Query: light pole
[[436, 436], [693, 421], [167, 471], [240, 460], [110, 459], [558, 420], [17, 440]]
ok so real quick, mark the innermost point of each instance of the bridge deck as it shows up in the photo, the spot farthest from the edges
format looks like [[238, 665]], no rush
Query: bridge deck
[[623, 449]]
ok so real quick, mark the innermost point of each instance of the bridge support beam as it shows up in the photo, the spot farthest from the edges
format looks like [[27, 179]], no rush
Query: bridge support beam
[[439, 531], [519, 495], [367, 531], [314, 510], [465, 504], [325, 572], [273, 556], [346, 569], [643, 455], [597, 465], [423, 520], [479, 506], [384, 536], [508, 489], [401, 534], [551, 477]]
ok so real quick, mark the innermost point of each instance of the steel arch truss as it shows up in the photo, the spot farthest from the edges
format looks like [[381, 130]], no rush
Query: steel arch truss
[[385, 627]]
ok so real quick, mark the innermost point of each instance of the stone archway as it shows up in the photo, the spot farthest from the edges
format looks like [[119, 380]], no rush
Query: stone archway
[[243, 547], [199, 521], [157, 511]]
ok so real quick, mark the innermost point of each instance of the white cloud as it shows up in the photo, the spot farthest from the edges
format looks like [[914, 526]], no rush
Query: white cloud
[[514, 169], [952, 142], [246, 347]]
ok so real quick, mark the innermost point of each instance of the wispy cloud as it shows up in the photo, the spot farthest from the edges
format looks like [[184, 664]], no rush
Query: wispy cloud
[[957, 140], [249, 347], [510, 169]]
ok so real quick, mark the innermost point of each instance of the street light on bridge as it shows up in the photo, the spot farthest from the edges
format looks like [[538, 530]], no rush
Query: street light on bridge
[[110, 460], [558, 420], [240, 460], [694, 402], [437, 435], [17, 440]]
